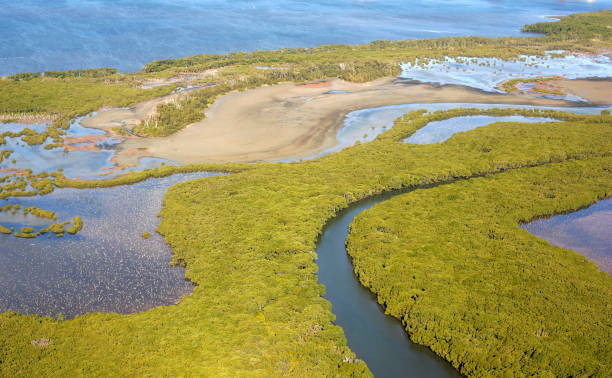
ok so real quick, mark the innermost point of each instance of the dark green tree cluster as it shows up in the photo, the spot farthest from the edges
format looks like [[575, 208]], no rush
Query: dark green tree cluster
[[87, 73], [574, 27]]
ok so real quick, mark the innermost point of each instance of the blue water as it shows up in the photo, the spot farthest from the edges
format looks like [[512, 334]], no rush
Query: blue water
[[366, 124], [439, 131], [106, 267], [587, 231], [376, 338], [487, 73], [88, 165], [38, 35]]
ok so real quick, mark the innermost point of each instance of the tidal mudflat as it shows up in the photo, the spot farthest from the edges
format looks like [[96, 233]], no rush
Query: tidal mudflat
[[587, 231], [107, 267], [289, 121], [487, 73]]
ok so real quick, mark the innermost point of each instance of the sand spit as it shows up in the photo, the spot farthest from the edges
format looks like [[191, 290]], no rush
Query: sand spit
[[285, 120]]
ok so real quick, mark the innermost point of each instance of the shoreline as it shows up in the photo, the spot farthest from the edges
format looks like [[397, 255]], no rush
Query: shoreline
[[288, 120]]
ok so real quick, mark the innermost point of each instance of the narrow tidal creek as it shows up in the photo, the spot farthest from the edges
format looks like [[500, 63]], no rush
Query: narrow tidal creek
[[376, 338]]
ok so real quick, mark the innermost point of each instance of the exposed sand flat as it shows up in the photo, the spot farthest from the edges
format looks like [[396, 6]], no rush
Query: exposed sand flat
[[288, 120], [596, 91]]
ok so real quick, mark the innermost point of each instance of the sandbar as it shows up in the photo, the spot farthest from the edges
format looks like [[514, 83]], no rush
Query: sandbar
[[286, 120]]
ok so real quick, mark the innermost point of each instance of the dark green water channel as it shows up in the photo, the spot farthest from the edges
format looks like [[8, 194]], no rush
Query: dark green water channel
[[376, 338]]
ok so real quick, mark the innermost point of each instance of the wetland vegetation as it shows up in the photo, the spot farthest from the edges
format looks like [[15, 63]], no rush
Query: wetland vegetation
[[67, 95], [452, 263], [275, 315], [448, 258]]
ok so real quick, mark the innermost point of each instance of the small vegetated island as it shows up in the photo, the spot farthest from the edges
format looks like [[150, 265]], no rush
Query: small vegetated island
[[447, 257]]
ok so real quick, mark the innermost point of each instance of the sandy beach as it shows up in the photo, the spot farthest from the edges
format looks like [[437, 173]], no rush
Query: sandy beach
[[286, 120]]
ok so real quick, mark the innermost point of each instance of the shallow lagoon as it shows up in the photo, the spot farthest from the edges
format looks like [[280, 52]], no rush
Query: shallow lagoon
[[107, 266], [587, 231], [439, 131]]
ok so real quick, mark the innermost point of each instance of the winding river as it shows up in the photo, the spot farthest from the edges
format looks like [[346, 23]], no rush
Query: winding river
[[381, 340], [376, 338], [109, 267]]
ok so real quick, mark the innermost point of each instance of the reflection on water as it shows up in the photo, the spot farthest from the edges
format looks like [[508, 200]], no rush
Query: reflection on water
[[439, 131], [107, 266], [487, 73], [378, 339], [87, 153], [364, 125], [587, 231]]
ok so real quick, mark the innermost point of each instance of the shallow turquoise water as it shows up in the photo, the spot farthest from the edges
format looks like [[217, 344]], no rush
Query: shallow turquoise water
[[88, 165], [40, 35]]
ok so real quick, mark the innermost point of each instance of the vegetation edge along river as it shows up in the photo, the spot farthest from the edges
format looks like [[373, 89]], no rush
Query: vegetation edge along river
[[248, 239], [452, 264]]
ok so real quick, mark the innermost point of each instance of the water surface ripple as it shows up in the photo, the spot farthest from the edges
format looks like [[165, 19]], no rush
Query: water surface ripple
[[107, 267], [587, 231], [40, 35]]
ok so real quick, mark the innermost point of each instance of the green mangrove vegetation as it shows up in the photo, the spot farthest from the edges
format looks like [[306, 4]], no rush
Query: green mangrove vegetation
[[23, 183], [453, 265], [29, 232], [57, 228], [574, 27], [75, 93], [510, 85], [41, 213], [247, 240], [76, 227], [486, 296]]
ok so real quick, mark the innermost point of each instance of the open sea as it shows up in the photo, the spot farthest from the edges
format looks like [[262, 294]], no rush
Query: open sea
[[38, 35]]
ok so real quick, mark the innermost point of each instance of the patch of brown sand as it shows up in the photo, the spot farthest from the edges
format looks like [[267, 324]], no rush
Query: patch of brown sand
[[596, 91], [289, 120]]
